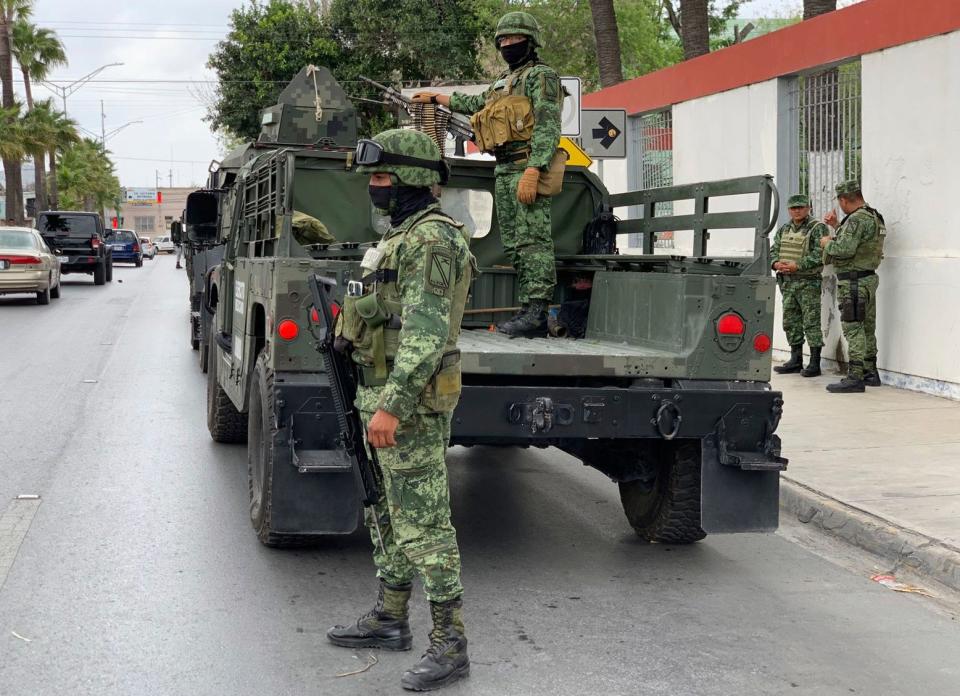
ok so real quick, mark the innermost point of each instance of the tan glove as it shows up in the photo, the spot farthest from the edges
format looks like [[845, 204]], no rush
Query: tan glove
[[423, 97], [527, 187]]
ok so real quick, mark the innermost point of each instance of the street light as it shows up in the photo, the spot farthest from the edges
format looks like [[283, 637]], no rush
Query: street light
[[66, 90]]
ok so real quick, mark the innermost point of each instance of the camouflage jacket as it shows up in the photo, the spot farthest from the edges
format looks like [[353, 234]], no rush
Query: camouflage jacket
[[432, 309], [811, 263], [858, 245], [546, 96]]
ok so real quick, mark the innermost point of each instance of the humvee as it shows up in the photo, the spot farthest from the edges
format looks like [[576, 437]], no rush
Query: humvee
[[661, 381]]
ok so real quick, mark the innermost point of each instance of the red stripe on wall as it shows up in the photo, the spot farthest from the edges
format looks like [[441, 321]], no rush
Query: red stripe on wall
[[866, 27]]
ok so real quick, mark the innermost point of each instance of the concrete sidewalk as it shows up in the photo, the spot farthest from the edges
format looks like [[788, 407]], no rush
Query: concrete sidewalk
[[880, 469]]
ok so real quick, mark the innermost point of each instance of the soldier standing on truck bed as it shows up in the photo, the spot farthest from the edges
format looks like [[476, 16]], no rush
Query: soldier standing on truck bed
[[518, 120], [403, 324], [798, 260], [856, 253]]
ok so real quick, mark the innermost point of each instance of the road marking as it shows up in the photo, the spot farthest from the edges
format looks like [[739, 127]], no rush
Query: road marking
[[14, 524]]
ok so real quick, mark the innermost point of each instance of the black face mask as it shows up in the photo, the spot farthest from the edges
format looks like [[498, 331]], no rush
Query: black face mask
[[400, 202], [516, 54]]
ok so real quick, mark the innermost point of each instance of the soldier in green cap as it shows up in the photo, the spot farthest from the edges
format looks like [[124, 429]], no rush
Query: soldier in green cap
[[856, 252], [798, 262], [401, 322], [518, 120]]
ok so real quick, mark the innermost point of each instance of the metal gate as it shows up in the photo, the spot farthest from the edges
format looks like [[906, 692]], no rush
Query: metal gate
[[651, 145], [827, 109]]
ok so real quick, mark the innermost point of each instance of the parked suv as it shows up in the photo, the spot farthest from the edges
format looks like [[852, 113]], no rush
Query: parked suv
[[125, 246], [78, 238]]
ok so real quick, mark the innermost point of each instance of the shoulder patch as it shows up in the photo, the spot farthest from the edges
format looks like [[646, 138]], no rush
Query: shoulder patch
[[550, 86], [438, 270]]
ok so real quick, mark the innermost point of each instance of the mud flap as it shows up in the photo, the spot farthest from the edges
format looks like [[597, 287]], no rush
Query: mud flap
[[733, 499]]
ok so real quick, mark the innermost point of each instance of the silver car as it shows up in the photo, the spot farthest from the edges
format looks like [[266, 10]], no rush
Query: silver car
[[26, 264], [164, 245]]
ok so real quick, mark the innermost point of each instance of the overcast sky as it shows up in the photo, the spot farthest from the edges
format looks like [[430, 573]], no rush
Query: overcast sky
[[165, 41]]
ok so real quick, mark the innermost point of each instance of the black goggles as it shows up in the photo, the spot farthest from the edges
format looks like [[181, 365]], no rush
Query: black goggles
[[370, 154]]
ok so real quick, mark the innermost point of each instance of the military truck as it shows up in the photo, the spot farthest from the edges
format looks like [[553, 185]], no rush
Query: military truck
[[661, 381]]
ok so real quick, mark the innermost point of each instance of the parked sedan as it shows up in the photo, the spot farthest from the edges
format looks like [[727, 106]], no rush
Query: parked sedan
[[148, 247], [164, 245], [26, 264], [126, 247]]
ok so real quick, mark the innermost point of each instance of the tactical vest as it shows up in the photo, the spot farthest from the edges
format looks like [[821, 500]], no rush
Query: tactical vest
[[506, 117], [372, 321], [870, 252], [795, 244]]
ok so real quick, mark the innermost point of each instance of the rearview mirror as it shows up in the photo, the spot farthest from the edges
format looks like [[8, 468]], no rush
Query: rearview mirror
[[176, 231]]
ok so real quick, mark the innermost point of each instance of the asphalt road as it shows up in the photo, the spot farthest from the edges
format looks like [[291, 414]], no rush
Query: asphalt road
[[139, 573]]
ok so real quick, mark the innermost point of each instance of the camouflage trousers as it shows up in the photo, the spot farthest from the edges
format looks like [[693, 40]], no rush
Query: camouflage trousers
[[801, 311], [414, 511], [861, 334], [526, 233]]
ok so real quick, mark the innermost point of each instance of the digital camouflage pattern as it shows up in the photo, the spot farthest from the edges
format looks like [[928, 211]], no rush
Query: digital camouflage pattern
[[414, 513], [402, 141], [802, 290], [858, 247], [526, 230], [861, 335], [313, 107], [848, 188], [518, 24], [798, 200]]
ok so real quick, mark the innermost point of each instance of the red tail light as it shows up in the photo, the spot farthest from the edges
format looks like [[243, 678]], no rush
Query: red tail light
[[288, 330], [314, 315], [22, 260], [761, 343], [136, 247], [731, 324], [95, 242], [334, 309]]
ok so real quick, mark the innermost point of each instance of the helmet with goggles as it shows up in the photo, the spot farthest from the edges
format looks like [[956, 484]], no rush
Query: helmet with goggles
[[409, 155]]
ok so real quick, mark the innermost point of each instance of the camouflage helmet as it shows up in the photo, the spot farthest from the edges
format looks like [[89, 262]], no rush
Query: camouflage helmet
[[850, 187], [522, 23], [409, 155]]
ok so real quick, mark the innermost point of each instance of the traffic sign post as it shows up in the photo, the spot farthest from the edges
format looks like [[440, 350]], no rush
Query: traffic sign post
[[603, 133]]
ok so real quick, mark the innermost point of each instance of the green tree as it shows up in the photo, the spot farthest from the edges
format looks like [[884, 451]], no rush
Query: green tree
[[267, 45], [39, 133], [38, 51], [86, 177], [10, 12], [65, 136], [11, 133]]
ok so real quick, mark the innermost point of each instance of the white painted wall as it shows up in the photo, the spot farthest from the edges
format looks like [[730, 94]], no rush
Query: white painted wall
[[910, 174]]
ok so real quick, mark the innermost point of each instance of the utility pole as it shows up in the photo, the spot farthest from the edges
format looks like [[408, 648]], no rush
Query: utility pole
[[157, 172], [170, 179], [103, 127]]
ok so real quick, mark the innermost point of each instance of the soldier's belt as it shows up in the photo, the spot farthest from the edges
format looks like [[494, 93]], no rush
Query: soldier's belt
[[509, 157], [855, 275]]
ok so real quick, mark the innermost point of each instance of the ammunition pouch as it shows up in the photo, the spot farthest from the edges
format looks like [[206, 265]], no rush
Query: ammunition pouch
[[504, 120], [551, 181], [443, 390]]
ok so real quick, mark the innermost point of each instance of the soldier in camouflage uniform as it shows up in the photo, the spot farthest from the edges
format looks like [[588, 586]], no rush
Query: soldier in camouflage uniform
[[403, 331], [856, 253], [798, 261], [528, 93]]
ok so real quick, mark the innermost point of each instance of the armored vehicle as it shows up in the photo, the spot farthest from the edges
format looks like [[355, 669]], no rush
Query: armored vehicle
[[661, 381]]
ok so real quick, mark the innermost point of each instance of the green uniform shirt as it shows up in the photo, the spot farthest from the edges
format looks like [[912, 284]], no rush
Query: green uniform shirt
[[858, 245], [543, 89]]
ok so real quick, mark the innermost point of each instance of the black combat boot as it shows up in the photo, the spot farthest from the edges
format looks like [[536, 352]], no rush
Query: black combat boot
[[851, 384], [530, 324], [509, 322], [446, 659], [871, 376], [385, 626], [794, 364], [813, 369]]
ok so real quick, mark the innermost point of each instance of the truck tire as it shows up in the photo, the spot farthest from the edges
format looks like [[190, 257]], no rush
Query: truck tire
[[261, 459], [100, 273], [225, 423], [668, 509], [109, 266], [204, 357], [139, 262], [194, 330]]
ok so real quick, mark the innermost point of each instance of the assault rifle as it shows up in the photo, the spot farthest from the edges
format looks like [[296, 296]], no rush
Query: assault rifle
[[343, 387], [454, 124]]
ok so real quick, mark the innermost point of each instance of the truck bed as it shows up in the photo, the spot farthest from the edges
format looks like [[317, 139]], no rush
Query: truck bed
[[487, 352]]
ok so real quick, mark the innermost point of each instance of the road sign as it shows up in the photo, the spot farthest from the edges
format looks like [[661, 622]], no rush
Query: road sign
[[578, 158], [604, 133], [570, 115]]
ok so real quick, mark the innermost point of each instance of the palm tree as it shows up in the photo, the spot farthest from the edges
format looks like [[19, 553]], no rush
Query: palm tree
[[65, 135], [814, 8], [39, 132], [695, 20], [608, 42], [38, 51], [11, 135], [10, 12]]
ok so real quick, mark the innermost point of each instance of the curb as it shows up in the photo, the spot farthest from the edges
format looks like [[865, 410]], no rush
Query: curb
[[922, 554]]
